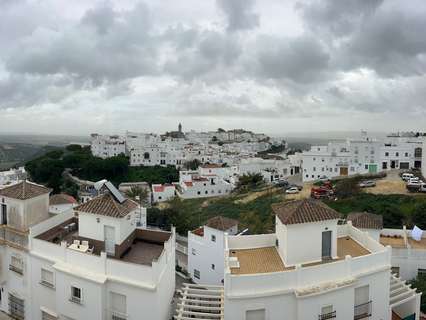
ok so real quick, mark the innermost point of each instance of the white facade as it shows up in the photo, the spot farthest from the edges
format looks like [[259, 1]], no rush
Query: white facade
[[163, 192], [44, 277], [193, 185], [361, 156], [61, 208], [206, 248], [12, 176], [424, 158], [104, 146], [341, 288]]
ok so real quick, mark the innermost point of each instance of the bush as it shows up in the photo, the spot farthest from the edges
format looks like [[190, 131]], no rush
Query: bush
[[420, 283]]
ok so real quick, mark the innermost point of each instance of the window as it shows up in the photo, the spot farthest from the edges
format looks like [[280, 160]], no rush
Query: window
[[47, 278], [406, 154], [421, 271], [118, 306], [76, 294], [194, 252], [366, 167], [196, 274], [387, 154], [213, 238], [327, 313], [255, 314], [198, 192], [395, 270], [397, 154], [16, 307], [213, 266], [16, 264], [47, 316], [314, 169]]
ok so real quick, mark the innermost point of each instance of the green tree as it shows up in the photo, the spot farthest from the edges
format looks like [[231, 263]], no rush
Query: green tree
[[138, 194], [419, 215], [249, 181], [192, 164], [420, 283]]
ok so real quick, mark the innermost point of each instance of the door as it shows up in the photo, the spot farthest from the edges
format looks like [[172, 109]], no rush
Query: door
[[109, 238], [393, 164], [343, 171], [3, 214], [404, 165], [326, 245], [372, 168]]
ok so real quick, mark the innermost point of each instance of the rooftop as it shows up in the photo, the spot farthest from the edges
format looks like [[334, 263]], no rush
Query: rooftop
[[221, 223], [24, 190], [107, 205], [144, 247], [304, 211], [393, 241], [267, 259], [61, 198]]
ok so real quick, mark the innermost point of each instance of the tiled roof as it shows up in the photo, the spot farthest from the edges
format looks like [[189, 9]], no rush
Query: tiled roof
[[211, 166], [365, 220], [188, 183], [24, 190], [221, 223], [304, 211], [61, 198], [107, 205]]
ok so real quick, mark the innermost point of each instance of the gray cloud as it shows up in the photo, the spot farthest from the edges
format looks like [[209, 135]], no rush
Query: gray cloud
[[240, 14], [301, 59]]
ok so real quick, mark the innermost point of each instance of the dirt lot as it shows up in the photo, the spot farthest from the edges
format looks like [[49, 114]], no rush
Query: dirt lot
[[392, 184], [305, 193]]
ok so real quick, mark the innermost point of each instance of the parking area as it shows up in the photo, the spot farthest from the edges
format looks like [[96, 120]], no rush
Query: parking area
[[391, 184]]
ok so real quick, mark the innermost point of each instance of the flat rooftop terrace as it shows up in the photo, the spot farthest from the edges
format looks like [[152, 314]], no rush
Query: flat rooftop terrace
[[144, 246], [394, 242], [267, 259]]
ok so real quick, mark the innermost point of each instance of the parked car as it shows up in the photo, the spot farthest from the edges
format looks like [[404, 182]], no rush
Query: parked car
[[407, 176], [292, 190], [280, 183], [295, 186], [367, 184], [414, 180], [324, 178]]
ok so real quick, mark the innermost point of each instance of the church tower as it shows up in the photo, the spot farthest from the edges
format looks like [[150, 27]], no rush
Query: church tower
[[180, 127]]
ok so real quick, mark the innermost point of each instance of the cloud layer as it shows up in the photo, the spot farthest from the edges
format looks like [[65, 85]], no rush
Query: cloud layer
[[117, 65]]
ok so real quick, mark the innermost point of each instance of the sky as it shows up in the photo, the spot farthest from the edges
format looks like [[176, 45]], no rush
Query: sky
[[272, 66]]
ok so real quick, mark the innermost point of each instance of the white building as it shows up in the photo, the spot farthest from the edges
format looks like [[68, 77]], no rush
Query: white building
[[60, 203], [163, 192], [22, 205], [313, 268], [424, 158], [193, 185], [105, 146], [12, 176], [206, 250], [361, 156], [95, 264]]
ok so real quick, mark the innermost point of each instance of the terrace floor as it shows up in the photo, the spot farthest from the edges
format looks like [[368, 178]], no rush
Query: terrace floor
[[393, 242], [143, 252], [267, 259], [417, 244]]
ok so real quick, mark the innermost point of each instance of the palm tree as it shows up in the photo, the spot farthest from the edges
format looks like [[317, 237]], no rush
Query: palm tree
[[138, 194]]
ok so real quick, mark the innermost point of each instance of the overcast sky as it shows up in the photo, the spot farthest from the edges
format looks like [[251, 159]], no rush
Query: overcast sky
[[273, 66]]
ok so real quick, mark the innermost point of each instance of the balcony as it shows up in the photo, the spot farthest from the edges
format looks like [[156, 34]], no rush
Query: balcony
[[115, 315], [325, 316], [362, 311]]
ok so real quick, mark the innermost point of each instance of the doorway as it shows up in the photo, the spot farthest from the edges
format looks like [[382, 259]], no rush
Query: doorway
[[393, 164], [343, 171], [3, 214], [109, 238], [326, 245]]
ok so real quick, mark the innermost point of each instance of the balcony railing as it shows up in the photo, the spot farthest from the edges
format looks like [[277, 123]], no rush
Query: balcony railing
[[325, 316], [362, 311], [115, 315]]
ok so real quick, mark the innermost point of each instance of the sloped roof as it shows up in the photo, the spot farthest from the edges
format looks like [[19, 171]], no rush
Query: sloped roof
[[107, 205], [304, 211], [221, 223], [61, 198], [365, 220], [24, 190]]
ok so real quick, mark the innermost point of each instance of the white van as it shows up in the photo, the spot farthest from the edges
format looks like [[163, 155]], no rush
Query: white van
[[422, 187], [407, 176]]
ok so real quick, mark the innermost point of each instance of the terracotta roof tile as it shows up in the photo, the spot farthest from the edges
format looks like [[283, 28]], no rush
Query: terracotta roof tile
[[221, 223], [304, 211], [107, 205], [61, 198], [24, 190], [365, 220]]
